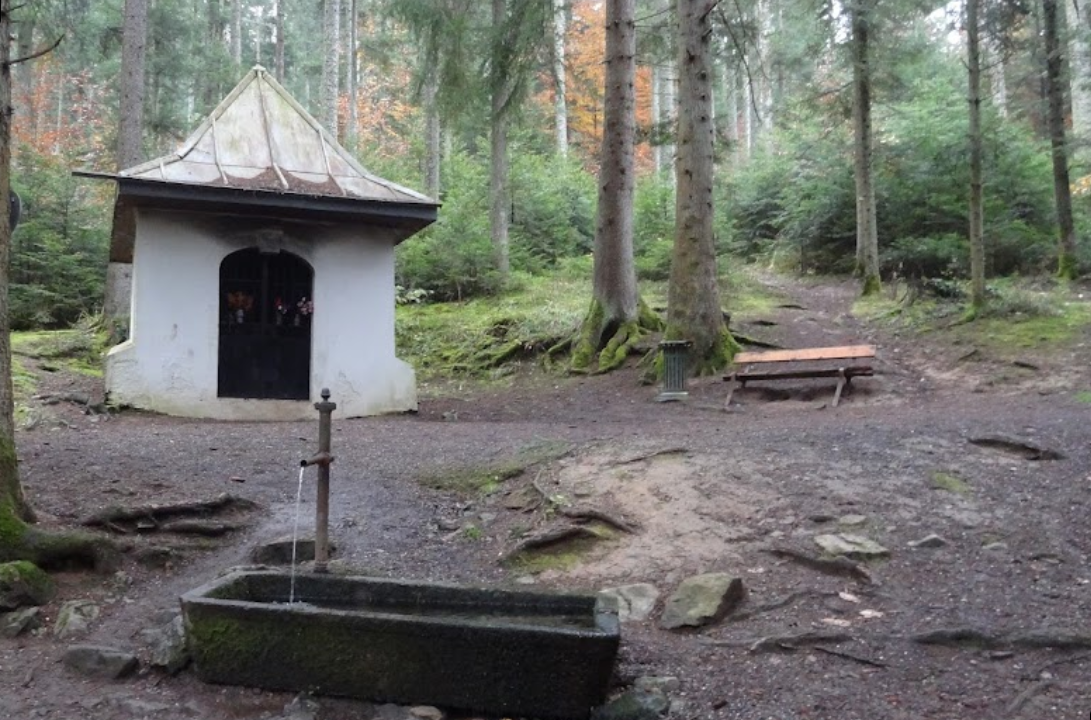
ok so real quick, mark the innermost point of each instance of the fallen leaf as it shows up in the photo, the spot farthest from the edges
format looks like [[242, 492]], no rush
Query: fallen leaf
[[847, 596], [869, 614]]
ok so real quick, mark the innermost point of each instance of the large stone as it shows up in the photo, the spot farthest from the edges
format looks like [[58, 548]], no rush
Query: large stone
[[701, 600], [929, 541], [634, 705], [851, 545], [100, 661], [302, 707], [634, 602], [167, 645], [14, 624], [74, 617], [664, 684], [24, 584], [279, 551]]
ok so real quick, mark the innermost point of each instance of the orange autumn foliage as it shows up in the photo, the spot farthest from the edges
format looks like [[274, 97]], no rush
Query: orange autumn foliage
[[60, 114], [585, 52]]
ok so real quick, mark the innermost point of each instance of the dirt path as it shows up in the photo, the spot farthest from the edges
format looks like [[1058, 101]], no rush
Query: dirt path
[[708, 490]]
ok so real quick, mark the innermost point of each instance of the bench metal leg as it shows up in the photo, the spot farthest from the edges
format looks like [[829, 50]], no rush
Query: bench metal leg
[[841, 382], [732, 384]]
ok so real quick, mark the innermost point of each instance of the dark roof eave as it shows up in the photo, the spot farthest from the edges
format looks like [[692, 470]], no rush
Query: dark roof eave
[[409, 216]]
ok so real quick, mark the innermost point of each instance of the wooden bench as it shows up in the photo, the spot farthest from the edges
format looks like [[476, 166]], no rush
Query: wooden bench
[[808, 363]]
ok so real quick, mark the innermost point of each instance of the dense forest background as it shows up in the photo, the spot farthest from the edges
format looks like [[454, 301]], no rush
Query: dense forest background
[[417, 88]]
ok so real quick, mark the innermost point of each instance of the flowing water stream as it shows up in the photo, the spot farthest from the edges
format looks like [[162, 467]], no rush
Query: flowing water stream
[[295, 534]]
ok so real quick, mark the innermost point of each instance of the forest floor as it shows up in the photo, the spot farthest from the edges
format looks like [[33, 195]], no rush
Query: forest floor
[[705, 490]]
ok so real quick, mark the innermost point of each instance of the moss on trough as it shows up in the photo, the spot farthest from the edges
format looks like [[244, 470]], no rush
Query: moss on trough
[[398, 656]]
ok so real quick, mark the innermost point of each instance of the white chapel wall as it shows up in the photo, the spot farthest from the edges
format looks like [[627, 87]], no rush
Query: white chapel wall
[[170, 362]]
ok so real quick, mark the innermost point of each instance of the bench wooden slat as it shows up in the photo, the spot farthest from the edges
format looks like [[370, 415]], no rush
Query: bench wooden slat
[[847, 372], [844, 352]]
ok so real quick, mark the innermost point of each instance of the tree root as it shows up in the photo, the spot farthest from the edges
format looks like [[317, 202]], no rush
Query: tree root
[[604, 342], [850, 656], [678, 450], [1016, 706], [839, 566], [788, 642], [151, 517], [63, 550], [1026, 449], [778, 604], [588, 514], [551, 537], [1034, 640]]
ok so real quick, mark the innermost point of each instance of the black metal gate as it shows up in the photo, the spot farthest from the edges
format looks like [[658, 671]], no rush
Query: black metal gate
[[265, 325]]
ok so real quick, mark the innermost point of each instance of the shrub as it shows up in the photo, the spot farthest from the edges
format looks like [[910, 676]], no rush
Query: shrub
[[59, 250]]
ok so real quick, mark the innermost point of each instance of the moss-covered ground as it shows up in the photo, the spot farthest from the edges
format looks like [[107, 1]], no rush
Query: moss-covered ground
[[1019, 315]]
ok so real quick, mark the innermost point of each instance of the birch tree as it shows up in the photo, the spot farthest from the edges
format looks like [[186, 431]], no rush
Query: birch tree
[[560, 101]]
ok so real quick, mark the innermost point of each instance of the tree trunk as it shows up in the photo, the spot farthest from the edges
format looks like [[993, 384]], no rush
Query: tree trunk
[[694, 312], [560, 100], [24, 78], [432, 135], [748, 117], [331, 64], [657, 113], [236, 33], [1079, 53], [998, 64], [130, 152], [731, 109], [764, 93], [278, 51], [614, 322], [1066, 266], [977, 211], [498, 141], [353, 77], [867, 239], [669, 109], [13, 507]]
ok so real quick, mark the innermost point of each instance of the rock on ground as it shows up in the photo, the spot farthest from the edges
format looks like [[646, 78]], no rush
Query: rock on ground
[[634, 602], [634, 705], [100, 661], [74, 617], [701, 600], [23, 584], [14, 624], [851, 545]]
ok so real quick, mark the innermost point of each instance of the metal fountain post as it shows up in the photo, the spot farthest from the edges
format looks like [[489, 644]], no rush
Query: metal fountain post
[[322, 505]]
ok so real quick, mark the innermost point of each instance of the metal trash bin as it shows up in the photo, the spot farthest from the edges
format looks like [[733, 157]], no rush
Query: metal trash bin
[[675, 358]]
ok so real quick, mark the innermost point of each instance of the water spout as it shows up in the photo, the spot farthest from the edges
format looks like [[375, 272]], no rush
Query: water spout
[[295, 533]]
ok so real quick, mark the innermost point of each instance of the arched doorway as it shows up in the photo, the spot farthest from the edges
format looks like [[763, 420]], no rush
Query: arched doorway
[[265, 325]]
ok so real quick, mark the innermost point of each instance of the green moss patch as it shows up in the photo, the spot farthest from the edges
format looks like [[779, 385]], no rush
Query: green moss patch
[[951, 483], [487, 479], [24, 584], [561, 556]]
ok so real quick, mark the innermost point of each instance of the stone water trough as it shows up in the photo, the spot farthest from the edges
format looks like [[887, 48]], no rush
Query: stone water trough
[[502, 652]]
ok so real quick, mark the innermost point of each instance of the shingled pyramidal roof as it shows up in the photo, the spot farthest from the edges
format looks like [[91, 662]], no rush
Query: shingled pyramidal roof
[[260, 138]]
